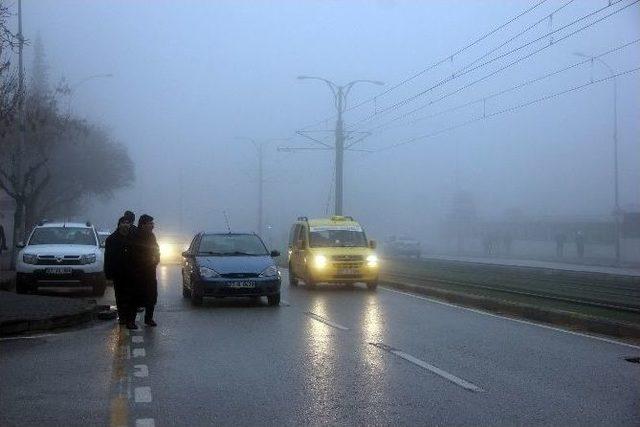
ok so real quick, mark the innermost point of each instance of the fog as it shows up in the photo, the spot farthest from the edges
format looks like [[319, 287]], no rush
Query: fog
[[192, 77]]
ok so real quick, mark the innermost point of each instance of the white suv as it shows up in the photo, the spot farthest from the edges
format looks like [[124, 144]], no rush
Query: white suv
[[61, 255]]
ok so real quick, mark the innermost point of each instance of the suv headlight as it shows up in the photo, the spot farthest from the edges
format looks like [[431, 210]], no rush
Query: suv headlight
[[208, 273], [372, 261], [320, 261], [270, 271], [30, 258], [88, 259]]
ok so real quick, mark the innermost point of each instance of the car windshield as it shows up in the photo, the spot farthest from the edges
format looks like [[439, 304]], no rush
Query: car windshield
[[232, 245], [63, 236], [323, 237]]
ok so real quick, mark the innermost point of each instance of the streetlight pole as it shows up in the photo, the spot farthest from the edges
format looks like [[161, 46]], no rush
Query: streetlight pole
[[72, 88], [616, 194], [340, 94]]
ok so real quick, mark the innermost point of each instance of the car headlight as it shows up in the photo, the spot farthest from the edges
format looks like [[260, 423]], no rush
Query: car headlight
[[270, 271], [320, 261], [29, 258], [166, 250], [88, 259], [208, 273], [372, 261]]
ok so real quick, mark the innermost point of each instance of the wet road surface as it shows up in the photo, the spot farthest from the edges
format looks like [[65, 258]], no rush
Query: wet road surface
[[325, 356]]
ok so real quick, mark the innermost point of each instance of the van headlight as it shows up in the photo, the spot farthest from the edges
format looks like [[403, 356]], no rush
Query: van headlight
[[208, 273], [319, 261], [270, 271], [372, 261], [88, 259], [30, 258]]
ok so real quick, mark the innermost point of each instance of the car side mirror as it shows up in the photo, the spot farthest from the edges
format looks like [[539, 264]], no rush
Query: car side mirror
[[102, 245], [20, 245], [275, 254], [373, 244]]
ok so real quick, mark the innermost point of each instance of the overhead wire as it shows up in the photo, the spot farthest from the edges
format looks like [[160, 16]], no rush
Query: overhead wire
[[507, 110], [467, 71], [435, 64]]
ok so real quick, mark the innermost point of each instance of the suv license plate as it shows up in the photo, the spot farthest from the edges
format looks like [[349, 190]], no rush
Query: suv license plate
[[242, 285], [58, 270], [349, 271]]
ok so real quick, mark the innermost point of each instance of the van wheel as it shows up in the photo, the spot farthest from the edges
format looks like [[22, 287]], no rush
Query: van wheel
[[372, 285], [186, 292], [99, 288], [196, 300]]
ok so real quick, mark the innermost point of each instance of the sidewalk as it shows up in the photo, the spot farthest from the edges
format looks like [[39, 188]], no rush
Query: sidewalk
[[30, 313], [621, 271]]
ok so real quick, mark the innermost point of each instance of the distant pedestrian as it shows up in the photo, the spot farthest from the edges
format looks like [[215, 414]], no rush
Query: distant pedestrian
[[118, 268], [561, 238], [580, 243], [3, 238], [146, 257]]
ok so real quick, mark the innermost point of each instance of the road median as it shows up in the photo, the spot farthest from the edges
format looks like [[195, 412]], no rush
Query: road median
[[538, 312], [35, 313]]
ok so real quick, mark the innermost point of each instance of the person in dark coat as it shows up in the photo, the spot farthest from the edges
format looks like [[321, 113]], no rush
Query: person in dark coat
[[131, 217], [117, 267], [146, 257]]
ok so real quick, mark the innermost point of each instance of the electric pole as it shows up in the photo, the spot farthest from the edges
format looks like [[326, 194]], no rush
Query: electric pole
[[340, 94]]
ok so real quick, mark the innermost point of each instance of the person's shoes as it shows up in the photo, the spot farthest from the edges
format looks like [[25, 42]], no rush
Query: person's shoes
[[132, 325], [140, 309], [150, 323]]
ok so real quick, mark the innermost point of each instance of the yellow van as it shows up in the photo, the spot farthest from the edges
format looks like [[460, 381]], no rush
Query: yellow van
[[331, 250]]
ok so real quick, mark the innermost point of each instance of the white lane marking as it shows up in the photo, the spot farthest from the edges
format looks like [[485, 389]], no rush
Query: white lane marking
[[27, 337], [326, 322], [285, 303], [142, 394], [526, 322], [137, 339], [145, 422], [139, 352], [141, 371], [434, 369]]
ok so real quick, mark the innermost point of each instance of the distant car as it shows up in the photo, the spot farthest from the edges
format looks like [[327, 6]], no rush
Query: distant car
[[171, 247], [58, 255], [230, 265], [402, 246]]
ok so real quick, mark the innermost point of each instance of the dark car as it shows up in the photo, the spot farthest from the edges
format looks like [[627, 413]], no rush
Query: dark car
[[230, 265]]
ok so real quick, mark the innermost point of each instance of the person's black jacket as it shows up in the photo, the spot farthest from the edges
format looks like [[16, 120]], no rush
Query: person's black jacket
[[146, 256], [117, 256]]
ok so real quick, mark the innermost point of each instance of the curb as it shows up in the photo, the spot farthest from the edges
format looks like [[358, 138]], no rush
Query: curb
[[567, 319], [14, 327]]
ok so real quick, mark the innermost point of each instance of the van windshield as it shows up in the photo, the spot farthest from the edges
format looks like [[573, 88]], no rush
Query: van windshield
[[324, 237]]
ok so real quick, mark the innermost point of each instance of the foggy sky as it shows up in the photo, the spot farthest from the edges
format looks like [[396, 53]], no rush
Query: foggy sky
[[190, 76]]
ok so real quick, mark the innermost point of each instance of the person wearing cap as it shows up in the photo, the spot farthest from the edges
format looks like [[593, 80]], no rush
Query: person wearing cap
[[117, 267], [146, 257]]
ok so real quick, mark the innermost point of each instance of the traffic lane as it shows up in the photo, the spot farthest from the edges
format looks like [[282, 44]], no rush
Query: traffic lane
[[62, 378], [550, 373], [238, 362]]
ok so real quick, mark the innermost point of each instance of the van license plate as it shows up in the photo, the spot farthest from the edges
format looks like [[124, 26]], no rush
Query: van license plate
[[58, 270], [242, 285], [348, 271]]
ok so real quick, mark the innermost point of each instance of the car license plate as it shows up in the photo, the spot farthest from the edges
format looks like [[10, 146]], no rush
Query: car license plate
[[348, 271], [242, 285], [58, 270]]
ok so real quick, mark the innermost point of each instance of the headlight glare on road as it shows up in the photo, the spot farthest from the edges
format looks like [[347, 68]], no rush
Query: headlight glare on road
[[320, 261], [270, 271], [29, 258], [372, 261], [208, 273], [88, 259]]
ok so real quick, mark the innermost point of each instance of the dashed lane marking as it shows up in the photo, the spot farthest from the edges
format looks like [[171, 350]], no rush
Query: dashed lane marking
[[434, 369], [141, 371], [593, 337], [142, 394], [145, 422], [326, 321], [139, 352], [285, 303]]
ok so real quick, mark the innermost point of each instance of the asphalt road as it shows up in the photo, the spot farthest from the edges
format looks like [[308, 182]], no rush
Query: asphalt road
[[325, 356]]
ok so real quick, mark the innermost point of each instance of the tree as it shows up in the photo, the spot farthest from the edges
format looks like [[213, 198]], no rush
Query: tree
[[9, 95]]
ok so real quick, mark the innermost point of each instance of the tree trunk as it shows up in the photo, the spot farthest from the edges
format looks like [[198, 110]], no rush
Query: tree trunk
[[18, 230]]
